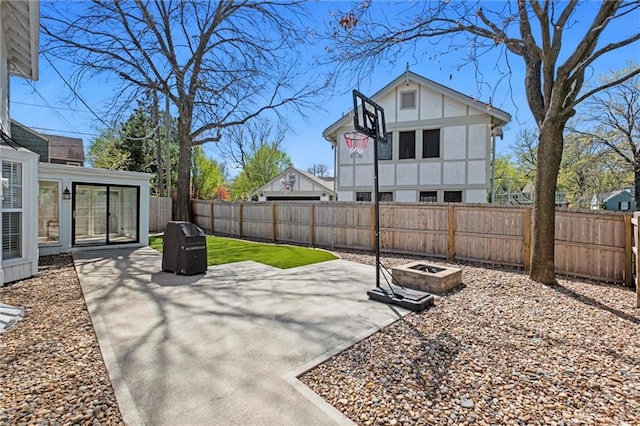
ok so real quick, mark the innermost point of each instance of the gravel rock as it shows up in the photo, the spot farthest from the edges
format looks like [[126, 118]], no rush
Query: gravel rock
[[51, 367], [500, 349]]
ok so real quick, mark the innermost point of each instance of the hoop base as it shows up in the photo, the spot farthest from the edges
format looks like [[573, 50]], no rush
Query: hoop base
[[409, 299]]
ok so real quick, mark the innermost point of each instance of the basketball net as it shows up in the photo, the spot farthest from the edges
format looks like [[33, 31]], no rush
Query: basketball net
[[356, 143]]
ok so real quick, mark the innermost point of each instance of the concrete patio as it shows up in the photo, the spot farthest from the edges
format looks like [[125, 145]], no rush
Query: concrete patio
[[224, 347]]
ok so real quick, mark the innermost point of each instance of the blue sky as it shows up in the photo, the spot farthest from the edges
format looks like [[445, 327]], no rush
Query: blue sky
[[49, 106]]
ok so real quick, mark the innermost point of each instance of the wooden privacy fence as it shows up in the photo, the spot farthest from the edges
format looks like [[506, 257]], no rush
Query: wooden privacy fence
[[588, 244], [159, 213]]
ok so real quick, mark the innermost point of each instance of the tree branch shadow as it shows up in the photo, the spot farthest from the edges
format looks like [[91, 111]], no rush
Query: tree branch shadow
[[593, 302]]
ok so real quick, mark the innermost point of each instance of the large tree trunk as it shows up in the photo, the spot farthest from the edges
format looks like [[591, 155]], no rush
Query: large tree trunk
[[543, 238], [183, 187]]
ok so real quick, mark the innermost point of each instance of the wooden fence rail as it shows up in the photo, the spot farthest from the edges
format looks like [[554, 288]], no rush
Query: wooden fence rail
[[588, 244]]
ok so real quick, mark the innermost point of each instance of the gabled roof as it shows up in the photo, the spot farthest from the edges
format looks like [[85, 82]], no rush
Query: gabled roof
[[21, 27], [65, 148], [29, 130], [501, 116], [611, 195], [322, 183]]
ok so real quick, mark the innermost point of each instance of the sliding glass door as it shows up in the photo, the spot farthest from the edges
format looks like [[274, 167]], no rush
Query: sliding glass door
[[105, 214]]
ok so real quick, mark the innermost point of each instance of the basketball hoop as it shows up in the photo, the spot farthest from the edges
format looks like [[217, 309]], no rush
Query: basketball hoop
[[356, 142]]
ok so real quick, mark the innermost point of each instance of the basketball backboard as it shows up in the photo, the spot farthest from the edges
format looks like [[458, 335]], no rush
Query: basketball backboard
[[368, 117]]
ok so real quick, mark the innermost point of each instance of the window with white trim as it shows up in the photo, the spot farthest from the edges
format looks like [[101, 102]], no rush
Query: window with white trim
[[12, 210]]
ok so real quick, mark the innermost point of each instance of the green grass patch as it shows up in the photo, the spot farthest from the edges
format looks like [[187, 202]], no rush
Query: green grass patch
[[222, 250]]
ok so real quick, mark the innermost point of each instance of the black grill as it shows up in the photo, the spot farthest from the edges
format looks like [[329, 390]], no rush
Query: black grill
[[184, 250]]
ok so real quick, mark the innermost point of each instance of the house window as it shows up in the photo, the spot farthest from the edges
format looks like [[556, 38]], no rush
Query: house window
[[407, 146], [12, 211], [428, 196], [431, 143], [452, 196], [408, 100], [363, 196], [385, 150], [385, 196], [48, 212]]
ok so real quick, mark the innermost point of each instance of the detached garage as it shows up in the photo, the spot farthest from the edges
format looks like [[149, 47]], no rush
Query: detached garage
[[296, 185]]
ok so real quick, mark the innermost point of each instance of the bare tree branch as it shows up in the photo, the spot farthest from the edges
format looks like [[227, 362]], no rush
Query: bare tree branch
[[220, 63]]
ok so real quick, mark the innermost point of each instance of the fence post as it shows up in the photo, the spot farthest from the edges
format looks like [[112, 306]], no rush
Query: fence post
[[451, 245], [526, 236], [274, 225], [312, 231], [211, 224], [240, 220], [628, 259]]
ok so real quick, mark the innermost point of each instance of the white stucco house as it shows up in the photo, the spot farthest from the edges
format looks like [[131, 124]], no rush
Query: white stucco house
[[295, 185], [54, 208], [440, 146]]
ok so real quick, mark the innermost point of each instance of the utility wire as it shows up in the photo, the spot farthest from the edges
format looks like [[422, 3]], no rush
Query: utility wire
[[73, 90], [55, 112], [47, 106]]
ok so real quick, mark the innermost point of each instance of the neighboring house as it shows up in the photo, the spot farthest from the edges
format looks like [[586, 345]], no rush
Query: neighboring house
[[53, 208], [51, 148], [439, 146], [622, 200], [295, 185]]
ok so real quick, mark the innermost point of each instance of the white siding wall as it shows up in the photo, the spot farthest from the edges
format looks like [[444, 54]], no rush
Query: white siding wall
[[464, 163]]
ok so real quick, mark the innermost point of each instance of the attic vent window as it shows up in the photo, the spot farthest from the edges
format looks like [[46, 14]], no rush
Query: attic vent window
[[408, 100]]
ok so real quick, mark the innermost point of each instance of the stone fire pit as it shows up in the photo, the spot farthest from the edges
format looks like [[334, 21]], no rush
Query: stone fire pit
[[424, 277]]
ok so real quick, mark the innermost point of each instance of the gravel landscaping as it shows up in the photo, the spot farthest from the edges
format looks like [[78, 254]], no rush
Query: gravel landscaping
[[499, 350], [51, 368]]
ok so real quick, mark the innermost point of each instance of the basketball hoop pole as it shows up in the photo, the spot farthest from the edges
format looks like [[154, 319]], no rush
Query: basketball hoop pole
[[373, 125], [377, 200]]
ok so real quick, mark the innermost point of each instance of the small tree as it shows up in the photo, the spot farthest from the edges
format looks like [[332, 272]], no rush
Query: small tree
[[508, 177], [319, 170], [131, 146], [104, 152], [525, 151], [611, 119], [207, 176], [262, 165]]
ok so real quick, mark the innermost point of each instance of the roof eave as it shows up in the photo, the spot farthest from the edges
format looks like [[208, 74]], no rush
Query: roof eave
[[23, 37]]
